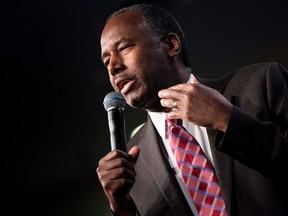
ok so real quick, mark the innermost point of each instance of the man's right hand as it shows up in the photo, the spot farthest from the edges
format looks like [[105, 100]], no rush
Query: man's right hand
[[116, 172]]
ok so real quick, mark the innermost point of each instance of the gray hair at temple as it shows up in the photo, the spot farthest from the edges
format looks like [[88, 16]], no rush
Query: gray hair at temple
[[160, 22]]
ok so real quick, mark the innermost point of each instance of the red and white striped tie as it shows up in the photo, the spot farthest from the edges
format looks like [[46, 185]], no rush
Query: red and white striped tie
[[196, 171]]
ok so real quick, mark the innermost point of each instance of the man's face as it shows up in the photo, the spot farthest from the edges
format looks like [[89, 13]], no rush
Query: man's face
[[137, 63]]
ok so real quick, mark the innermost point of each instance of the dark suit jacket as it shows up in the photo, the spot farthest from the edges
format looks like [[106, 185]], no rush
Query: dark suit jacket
[[250, 158]]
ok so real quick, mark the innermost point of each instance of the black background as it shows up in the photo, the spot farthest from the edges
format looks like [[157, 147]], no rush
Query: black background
[[54, 125]]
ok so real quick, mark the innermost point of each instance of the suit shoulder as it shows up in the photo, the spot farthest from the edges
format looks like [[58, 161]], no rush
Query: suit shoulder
[[255, 76], [260, 67], [257, 71]]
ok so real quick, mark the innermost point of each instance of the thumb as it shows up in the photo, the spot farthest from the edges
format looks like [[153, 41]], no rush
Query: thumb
[[134, 153]]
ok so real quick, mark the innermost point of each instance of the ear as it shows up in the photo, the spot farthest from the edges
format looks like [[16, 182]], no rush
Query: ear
[[173, 44]]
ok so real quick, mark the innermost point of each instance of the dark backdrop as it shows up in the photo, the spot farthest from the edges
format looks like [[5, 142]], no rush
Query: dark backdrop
[[54, 124]]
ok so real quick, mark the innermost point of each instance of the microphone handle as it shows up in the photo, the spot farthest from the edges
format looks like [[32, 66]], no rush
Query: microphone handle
[[116, 122]]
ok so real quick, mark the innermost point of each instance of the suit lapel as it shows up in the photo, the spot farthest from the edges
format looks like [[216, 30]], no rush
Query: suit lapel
[[223, 164], [223, 167], [157, 175]]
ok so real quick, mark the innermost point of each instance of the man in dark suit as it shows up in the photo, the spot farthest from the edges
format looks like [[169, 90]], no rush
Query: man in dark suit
[[240, 121]]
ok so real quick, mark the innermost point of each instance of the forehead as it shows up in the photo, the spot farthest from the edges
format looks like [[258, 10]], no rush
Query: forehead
[[123, 25]]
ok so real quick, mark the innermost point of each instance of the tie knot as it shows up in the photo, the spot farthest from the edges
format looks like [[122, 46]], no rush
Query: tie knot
[[174, 122], [172, 125]]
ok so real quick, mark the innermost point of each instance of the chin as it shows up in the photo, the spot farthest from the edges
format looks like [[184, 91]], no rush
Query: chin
[[135, 101]]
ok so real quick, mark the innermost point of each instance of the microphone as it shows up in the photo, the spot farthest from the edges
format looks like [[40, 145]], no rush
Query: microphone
[[114, 103]]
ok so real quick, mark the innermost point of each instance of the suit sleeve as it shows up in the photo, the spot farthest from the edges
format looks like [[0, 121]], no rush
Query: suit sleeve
[[261, 143]]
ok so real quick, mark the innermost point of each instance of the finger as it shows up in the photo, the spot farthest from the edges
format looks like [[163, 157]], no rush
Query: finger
[[134, 153], [178, 87], [115, 159], [170, 94], [167, 103], [116, 153], [119, 173], [116, 163], [106, 173]]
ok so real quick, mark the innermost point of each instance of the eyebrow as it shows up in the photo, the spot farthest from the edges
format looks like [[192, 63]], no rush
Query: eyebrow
[[116, 44]]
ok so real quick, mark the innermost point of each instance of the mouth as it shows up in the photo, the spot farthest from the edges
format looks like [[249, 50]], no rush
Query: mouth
[[123, 85]]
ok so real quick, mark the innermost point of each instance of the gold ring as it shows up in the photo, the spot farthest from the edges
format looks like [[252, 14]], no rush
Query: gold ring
[[174, 105]]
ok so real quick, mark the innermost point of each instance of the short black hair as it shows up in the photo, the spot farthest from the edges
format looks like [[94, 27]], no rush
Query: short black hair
[[160, 22]]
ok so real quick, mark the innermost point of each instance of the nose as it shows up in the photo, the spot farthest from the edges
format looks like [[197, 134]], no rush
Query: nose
[[116, 65]]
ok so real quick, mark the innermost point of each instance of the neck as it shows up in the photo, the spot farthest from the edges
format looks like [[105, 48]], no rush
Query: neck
[[185, 74], [181, 77]]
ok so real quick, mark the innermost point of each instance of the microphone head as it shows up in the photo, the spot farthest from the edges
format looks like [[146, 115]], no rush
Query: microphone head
[[114, 100]]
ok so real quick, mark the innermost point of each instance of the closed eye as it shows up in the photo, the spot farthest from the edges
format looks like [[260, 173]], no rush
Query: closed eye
[[123, 47], [106, 62]]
